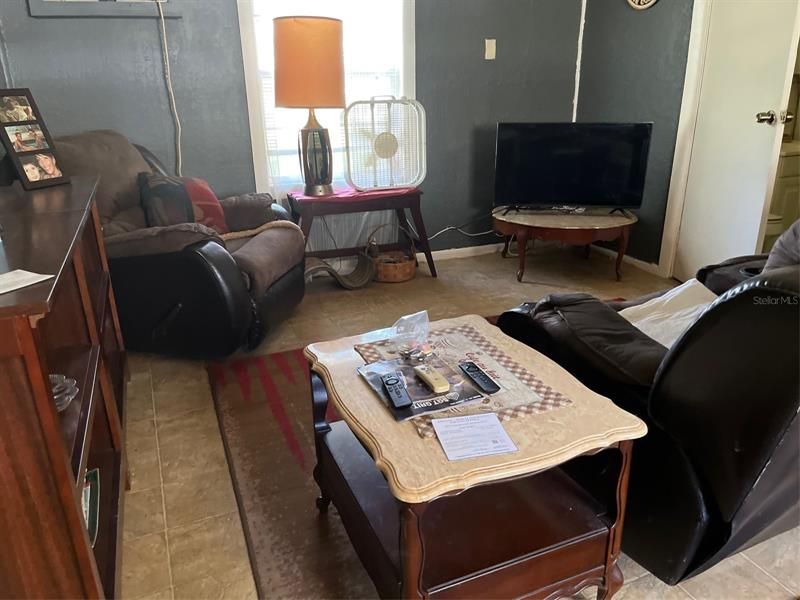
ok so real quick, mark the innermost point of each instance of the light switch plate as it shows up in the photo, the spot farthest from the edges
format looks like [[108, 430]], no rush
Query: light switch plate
[[490, 52]]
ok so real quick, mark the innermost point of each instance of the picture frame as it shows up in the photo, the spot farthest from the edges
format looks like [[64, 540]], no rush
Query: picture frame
[[27, 141]]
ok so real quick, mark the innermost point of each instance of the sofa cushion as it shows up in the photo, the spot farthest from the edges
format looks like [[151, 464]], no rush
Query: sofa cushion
[[248, 211], [118, 163], [266, 257], [164, 203], [169, 200]]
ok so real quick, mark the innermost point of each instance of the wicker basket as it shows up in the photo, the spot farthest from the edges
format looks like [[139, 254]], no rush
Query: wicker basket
[[395, 266]]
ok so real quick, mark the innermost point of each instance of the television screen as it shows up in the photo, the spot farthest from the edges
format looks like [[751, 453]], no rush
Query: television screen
[[572, 164]]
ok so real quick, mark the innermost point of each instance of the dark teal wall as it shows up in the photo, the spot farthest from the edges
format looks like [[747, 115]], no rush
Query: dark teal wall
[[465, 96], [91, 73], [633, 68], [107, 73]]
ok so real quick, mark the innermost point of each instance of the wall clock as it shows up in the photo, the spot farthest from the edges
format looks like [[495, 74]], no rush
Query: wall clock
[[641, 4]]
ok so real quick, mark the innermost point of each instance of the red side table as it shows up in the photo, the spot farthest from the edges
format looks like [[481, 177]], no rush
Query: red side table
[[305, 208]]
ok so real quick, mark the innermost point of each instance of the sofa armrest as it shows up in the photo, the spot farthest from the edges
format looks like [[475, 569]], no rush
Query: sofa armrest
[[191, 303], [721, 277], [159, 240], [619, 305], [588, 338], [249, 211]]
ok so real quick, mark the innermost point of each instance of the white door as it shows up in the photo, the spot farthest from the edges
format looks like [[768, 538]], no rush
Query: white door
[[749, 58]]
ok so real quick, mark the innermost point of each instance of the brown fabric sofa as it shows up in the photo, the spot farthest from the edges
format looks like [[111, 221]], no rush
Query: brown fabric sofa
[[180, 289]]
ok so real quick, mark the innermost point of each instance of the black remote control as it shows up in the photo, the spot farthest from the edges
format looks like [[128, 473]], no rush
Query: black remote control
[[396, 389], [481, 379]]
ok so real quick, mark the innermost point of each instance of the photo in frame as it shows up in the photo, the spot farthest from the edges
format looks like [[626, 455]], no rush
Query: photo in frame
[[27, 142]]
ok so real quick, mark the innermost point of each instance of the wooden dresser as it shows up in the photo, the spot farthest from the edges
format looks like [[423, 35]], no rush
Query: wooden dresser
[[66, 325]]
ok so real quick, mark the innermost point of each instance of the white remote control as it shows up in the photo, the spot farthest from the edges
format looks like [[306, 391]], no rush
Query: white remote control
[[433, 379]]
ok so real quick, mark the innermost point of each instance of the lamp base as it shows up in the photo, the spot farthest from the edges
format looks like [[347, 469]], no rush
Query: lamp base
[[317, 189], [316, 157]]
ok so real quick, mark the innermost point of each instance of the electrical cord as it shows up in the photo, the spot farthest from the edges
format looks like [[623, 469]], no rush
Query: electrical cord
[[170, 92], [333, 239], [460, 229]]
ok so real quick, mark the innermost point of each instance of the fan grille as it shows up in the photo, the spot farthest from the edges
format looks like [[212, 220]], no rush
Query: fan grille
[[385, 144]]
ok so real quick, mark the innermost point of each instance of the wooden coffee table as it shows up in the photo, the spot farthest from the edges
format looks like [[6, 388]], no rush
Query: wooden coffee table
[[541, 522], [583, 229]]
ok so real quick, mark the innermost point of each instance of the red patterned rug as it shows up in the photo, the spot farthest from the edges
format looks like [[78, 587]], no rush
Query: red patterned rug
[[264, 408]]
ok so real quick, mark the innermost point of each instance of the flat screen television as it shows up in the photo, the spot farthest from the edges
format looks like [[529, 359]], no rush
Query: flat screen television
[[571, 164]]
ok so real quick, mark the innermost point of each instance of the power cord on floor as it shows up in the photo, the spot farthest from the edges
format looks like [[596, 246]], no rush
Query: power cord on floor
[[460, 229], [170, 92]]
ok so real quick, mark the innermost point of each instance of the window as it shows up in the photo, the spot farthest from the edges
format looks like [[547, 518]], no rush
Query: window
[[376, 59]]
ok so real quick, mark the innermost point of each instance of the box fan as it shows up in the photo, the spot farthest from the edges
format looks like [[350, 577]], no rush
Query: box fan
[[385, 143]]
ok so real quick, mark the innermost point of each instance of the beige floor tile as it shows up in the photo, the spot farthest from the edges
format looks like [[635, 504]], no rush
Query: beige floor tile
[[179, 386], [145, 569], [735, 578], [142, 455], [138, 363], [140, 435], [780, 557], [207, 495], [144, 513], [190, 456], [165, 594], [212, 548], [193, 426], [140, 397], [650, 587], [182, 397], [208, 587], [631, 570]]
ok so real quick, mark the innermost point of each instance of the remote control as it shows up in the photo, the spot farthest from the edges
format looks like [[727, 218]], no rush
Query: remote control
[[481, 379], [396, 389], [433, 379]]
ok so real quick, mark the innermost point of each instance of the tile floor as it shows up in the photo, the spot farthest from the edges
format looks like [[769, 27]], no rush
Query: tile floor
[[182, 534]]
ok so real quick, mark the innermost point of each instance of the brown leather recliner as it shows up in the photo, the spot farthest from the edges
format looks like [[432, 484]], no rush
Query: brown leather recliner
[[718, 470], [181, 290]]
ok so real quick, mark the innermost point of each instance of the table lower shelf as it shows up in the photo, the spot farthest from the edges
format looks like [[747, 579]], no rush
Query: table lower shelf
[[486, 541]]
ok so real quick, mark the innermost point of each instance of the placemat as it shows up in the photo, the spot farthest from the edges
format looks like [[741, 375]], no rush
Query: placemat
[[521, 393]]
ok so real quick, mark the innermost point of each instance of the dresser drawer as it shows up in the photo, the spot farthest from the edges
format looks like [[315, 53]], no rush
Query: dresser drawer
[[789, 166]]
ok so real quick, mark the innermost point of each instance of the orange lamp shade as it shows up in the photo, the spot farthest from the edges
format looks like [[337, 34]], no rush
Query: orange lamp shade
[[309, 62]]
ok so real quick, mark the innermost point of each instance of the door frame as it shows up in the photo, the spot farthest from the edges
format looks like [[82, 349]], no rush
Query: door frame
[[687, 123]]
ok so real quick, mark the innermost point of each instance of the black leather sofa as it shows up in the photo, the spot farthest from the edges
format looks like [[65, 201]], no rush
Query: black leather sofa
[[719, 469], [180, 289]]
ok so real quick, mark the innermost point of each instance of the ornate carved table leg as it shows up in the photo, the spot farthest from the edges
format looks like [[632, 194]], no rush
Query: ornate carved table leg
[[506, 243], [522, 248], [412, 549], [622, 247], [319, 407], [613, 579]]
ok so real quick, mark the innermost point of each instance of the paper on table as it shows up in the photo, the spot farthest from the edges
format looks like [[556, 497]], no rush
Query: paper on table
[[14, 280], [472, 435]]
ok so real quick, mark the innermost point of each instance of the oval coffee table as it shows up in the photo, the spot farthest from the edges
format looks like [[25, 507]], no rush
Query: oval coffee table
[[577, 229]]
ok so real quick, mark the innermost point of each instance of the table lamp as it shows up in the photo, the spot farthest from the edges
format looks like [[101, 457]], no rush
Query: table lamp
[[309, 73]]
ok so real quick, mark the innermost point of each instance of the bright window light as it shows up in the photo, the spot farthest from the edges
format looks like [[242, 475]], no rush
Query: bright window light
[[373, 62]]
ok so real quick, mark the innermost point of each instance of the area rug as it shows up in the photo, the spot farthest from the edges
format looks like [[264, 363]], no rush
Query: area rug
[[264, 408]]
